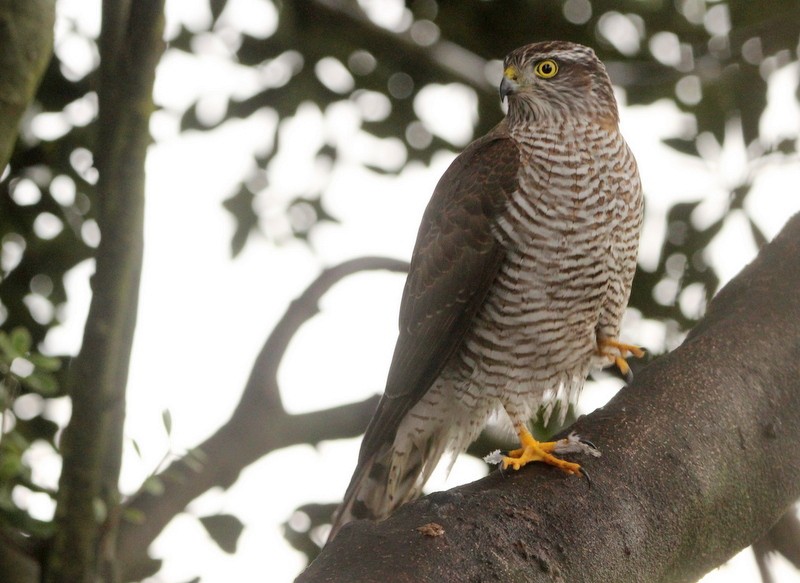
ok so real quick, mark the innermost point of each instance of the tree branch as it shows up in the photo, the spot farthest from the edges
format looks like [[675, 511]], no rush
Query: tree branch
[[447, 60], [87, 507], [258, 426], [700, 459], [26, 45]]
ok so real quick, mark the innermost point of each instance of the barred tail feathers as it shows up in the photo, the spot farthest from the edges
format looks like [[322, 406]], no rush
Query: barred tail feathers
[[392, 476]]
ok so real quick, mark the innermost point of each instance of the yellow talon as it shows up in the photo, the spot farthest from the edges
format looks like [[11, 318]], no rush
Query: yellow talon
[[623, 350], [536, 451]]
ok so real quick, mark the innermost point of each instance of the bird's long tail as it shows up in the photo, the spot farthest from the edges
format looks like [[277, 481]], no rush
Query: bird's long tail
[[393, 475]]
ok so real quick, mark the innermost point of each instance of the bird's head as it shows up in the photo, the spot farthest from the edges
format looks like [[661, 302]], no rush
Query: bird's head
[[558, 81]]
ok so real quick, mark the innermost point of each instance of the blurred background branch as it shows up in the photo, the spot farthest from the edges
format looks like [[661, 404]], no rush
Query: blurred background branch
[[258, 426]]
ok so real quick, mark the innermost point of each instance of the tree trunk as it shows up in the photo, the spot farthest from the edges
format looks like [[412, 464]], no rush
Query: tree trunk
[[701, 456], [26, 45]]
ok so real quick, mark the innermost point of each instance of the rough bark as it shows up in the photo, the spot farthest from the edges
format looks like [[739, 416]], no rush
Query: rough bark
[[88, 500], [26, 45], [700, 459]]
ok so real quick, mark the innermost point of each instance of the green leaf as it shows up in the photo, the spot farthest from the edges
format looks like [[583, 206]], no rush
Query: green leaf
[[43, 383], [166, 419], [21, 341], [10, 465], [198, 454], [225, 529], [133, 515], [15, 442], [37, 428], [100, 510], [153, 485], [38, 528], [46, 363], [9, 389], [19, 519], [7, 347], [196, 459]]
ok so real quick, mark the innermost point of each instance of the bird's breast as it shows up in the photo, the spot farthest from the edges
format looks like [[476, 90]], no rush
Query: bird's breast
[[560, 228]]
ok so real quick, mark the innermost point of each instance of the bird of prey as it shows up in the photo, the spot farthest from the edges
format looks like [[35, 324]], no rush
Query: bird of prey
[[519, 278]]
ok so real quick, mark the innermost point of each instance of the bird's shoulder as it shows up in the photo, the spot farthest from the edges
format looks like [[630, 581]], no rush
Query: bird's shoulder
[[476, 185], [455, 260], [457, 252]]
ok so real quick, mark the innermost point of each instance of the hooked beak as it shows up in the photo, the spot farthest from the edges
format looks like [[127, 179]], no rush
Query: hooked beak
[[508, 85]]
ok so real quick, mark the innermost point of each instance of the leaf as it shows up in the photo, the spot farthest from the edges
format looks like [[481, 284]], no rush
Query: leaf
[[758, 235], [21, 341], [133, 515], [47, 363], [787, 146], [100, 510], [153, 485], [166, 419], [10, 466], [43, 383], [684, 146], [240, 205], [225, 529], [217, 6], [196, 460], [37, 428], [7, 347], [39, 528], [143, 568], [20, 519], [136, 448]]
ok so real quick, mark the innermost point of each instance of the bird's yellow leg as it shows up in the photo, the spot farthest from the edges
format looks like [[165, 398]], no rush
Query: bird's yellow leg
[[619, 353], [536, 451]]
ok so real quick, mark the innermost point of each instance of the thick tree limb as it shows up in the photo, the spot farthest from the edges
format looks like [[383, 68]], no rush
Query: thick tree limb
[[700, 459], [258, 426]]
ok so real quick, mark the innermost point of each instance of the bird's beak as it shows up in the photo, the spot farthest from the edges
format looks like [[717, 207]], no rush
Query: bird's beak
[[508, 86]]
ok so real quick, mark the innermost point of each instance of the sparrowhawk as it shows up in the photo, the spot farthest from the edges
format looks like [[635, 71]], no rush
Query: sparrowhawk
[[518, 281]]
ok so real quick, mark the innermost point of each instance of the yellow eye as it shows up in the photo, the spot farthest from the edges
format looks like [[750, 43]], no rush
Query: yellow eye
[[546, 69]]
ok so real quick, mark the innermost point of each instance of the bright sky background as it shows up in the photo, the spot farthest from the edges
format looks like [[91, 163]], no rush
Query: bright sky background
[[204, 317]]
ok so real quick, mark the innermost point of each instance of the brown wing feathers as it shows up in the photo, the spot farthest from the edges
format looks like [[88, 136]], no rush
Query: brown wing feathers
[[454, 263]]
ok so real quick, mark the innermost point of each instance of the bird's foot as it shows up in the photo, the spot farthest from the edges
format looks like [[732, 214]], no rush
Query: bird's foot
[[617, 352], [538, 451]]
